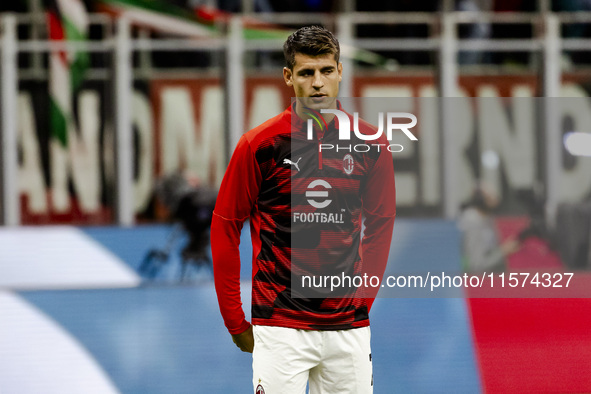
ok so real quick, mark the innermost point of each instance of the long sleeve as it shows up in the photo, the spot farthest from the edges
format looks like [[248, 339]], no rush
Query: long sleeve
[[237, 195], [379, 210]]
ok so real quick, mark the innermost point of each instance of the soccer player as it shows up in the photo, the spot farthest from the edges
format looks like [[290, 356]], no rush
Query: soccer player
[[305, 205]]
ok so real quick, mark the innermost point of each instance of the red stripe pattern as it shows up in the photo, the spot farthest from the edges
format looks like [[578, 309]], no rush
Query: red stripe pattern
[[305, 220]]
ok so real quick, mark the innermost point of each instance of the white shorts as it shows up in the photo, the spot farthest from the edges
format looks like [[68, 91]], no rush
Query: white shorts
[[284, 359]]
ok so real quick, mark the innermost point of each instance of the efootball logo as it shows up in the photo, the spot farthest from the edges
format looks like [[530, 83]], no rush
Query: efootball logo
[[318, 189], [318, 197]]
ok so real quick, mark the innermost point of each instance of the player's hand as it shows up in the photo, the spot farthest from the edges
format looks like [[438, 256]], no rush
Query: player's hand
[[244, 340]]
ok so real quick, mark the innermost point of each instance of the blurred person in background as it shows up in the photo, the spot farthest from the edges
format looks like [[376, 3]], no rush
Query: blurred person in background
[[481, 249], [473, 31], [188, 203]]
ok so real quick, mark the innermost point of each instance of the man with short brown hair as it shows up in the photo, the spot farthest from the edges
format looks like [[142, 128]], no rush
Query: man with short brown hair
[[305, 208]]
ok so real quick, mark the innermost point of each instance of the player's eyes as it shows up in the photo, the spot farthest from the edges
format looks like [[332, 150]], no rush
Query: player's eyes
[[311, 73]]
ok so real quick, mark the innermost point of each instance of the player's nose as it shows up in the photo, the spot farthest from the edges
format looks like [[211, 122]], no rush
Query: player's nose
[[317, 82]]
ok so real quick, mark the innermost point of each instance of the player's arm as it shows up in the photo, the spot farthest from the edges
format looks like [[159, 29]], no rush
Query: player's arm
[[379, 211], [237, 195]]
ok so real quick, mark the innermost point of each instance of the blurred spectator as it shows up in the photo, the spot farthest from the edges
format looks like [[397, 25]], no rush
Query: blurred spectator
[[573, 234], [475, 31], [189, 204], [481, 249]]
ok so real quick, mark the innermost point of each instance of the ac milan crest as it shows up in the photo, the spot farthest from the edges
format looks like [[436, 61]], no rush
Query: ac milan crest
[[348, 164], [260, 390]]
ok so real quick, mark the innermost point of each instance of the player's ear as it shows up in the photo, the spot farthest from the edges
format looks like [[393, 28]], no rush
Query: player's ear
[[340, 71], [287, 76]]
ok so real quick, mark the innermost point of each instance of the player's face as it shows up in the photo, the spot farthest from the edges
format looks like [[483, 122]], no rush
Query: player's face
[[315, 80]]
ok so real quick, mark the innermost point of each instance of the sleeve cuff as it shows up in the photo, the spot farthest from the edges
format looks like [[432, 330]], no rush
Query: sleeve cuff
[[243, 327]]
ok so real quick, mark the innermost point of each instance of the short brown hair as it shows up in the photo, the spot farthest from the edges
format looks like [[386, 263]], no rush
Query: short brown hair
[[311, 41]]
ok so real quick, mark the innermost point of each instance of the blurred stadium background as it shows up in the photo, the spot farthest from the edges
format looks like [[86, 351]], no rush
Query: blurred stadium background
[[101, 99]]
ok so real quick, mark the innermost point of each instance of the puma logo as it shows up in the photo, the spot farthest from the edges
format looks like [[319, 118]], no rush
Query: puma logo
[[291, 163]]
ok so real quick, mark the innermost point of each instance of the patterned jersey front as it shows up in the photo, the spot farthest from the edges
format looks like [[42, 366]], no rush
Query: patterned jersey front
[[305, 198]]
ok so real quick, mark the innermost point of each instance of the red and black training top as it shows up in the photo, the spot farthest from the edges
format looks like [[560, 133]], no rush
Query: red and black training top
[[305, 209]]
